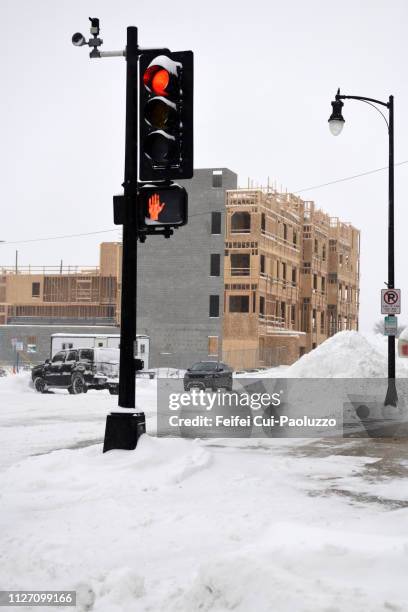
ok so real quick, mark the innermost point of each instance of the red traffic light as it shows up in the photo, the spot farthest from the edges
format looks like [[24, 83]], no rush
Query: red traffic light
[[157, 80], [161, 75]]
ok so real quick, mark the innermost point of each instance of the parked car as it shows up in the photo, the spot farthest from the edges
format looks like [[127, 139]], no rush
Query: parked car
[[208, 375], [78, 370]]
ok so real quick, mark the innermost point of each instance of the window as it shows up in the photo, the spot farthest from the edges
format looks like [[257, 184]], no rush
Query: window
[[217, 178], [241, 223], [314, 319], [213, 346], [86, 354], [263, 222], [216, 223], [295, 238], [324, 252], [215, 264], [262, 264], [205, 366], [72, 355], [293, 314], [214, 305], [284, 271], [283, 311], [315, 282], [239, 303], [240, 264], [35, 290], [322, 322], [293, 276], [67, 345], [58, 357], [285, 231], [261, 305], [323, 284], [316, 246]]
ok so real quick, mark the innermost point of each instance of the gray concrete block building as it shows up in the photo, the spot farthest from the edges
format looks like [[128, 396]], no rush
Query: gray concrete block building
[[181, 279]]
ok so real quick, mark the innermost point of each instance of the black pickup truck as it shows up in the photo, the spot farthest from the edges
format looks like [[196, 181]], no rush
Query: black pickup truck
[[78, 370]]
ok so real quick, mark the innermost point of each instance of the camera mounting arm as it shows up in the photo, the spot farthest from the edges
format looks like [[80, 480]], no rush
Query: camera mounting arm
[[79, 40]]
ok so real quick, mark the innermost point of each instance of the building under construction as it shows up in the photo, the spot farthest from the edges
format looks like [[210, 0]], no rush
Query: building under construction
[[291, 278], [65, 295]]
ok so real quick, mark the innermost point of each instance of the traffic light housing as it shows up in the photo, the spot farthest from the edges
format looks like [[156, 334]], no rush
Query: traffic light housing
[[165, 115]]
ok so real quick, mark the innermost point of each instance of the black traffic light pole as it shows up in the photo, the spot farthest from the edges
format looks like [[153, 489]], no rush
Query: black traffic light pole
[[391, 398], [127, 381], [124, 428]]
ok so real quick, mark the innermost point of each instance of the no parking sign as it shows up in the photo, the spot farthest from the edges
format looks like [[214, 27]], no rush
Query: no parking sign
[[390, 301]]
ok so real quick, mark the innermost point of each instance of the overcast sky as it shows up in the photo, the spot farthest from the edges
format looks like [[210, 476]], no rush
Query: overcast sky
[[265, 73]]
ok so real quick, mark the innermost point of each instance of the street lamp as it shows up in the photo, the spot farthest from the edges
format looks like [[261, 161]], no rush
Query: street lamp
[[336, 120], [336, 123]]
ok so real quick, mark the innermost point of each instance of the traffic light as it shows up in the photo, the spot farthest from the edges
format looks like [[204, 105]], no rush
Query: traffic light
[[165, 115], [162, 206]]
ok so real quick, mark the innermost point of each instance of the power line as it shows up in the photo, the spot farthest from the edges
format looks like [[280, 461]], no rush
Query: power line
[[58, 237], [205, 212], [349, 178]]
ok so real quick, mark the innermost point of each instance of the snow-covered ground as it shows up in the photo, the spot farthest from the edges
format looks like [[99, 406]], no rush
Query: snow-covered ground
[[267, 525]]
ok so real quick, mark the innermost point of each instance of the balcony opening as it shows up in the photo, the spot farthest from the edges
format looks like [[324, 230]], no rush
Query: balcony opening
[[239, 303], [241, 223], [240, 264]]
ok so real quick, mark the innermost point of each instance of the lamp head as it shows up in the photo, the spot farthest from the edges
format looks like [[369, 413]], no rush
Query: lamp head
[[336, 119]]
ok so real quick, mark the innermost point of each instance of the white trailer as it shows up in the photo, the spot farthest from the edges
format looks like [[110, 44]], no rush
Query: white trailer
[[60, 342]]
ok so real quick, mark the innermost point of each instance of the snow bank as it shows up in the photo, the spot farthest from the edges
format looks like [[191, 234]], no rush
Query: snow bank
[[16, 383], [181, 526], [279, 573], [347, 354]]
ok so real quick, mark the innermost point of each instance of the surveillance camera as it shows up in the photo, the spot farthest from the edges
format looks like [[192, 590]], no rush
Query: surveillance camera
[[78, 40]]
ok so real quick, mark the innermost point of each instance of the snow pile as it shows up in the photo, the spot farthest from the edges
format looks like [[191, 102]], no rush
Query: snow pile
[[192, 526], [16, 383], [404, 334], [185, 526], [347, 354]]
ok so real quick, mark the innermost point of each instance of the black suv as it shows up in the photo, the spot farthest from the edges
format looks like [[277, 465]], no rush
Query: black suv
[[208, 375], [78, 370]]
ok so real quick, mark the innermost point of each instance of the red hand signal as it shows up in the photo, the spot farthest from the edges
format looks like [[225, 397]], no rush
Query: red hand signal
[[155, 207]]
